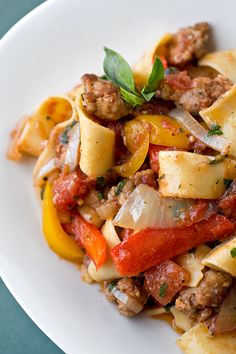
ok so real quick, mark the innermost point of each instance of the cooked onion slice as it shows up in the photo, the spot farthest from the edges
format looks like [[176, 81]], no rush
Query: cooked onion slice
[[226, 320], [216, 142], [49, 167], [146, 208], [72, 152], [131, 303], [107, 210]]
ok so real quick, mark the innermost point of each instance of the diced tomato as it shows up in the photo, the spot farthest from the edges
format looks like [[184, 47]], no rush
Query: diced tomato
[[150, 247], [165, 280], [68, 188], [179, 80], [153, 153], [91, 239]]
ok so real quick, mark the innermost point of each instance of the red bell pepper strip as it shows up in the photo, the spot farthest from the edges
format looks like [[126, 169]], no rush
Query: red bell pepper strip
[[91, 239], [165, 280], [150, 247]]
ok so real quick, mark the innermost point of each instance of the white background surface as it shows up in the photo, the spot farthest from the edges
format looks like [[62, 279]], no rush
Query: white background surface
[[45, 54]]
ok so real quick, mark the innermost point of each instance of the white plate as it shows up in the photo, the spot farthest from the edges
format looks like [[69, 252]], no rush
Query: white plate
[[45, 54]]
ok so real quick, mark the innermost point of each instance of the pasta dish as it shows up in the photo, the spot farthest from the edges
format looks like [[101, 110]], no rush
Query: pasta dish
[[136, 176]]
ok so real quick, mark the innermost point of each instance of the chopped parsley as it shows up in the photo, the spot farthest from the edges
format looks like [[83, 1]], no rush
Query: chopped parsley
[[233, 252], [64, 136], [112, 285], [103, 77], [227, 182], [215, 129], [168, 307], [100, 196], [119, 187], [217, 159], [101, 181], [163, 289]]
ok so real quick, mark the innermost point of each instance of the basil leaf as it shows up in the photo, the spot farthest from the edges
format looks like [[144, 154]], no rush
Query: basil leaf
[[118, 70], [155, 76], [148, 96], [131, 98]]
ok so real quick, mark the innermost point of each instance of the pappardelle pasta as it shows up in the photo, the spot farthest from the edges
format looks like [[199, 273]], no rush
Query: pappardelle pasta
[[136, 174]]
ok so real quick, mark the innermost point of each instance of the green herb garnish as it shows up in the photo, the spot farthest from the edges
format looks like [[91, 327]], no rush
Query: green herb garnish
[[101, 181], [112, 285], [118, 71], [168, 307], [215, 129], [100, 196], [227, 182], [103, 77], [217, 159], [64, 136], [119, 187], [155, 76], [131, 98], [233, 252], [163, 288]]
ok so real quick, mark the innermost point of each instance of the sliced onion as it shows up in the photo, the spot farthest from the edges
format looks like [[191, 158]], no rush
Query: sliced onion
[[226, 320], [146, 208], [107, 210], [49, 167], [92, 199], [72, 152], [216, 142], [90, 215], [128, 301]]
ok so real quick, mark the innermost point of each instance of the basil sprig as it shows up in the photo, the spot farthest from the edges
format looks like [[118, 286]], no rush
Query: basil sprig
[[155, 76], [118, 71]]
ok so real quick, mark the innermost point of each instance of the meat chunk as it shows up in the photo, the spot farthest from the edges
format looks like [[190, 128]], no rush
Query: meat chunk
[[201, 302], [145, 177], [103, 99], [193, 94], [227, 203], [189, 43], [136, 296]]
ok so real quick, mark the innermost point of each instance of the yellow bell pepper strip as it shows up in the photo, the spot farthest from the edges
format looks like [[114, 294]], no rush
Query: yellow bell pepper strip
[[162, 129], [129, 167], [61, 243]]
